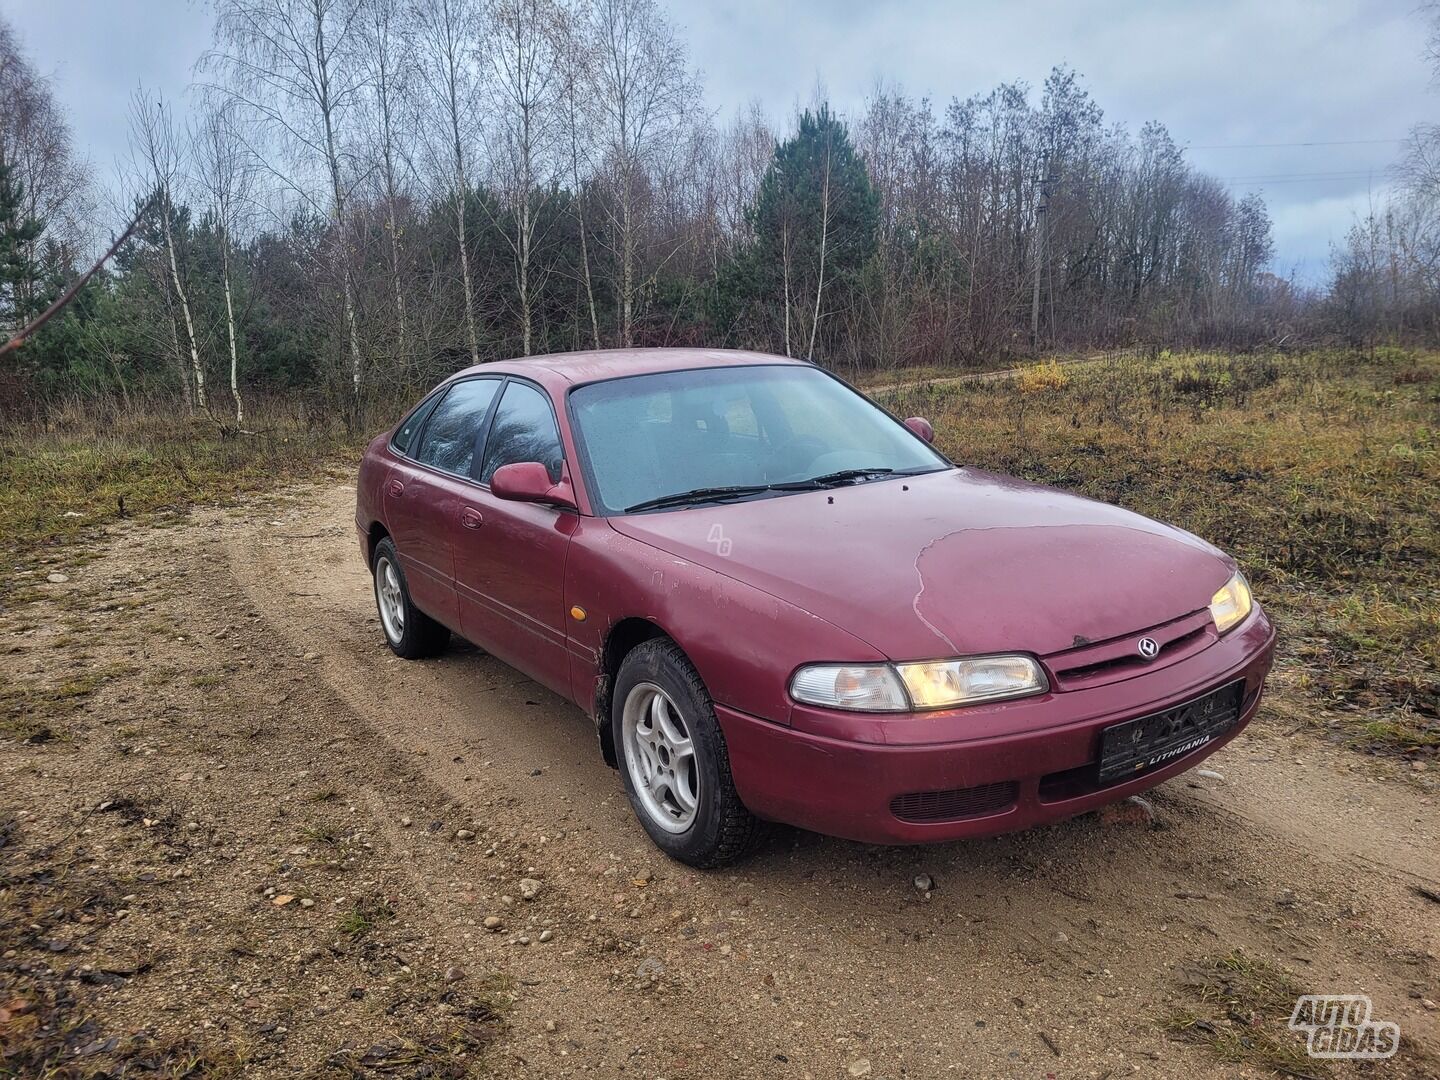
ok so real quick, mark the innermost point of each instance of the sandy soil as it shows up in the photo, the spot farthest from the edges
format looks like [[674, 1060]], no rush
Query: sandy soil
[[241, 734]]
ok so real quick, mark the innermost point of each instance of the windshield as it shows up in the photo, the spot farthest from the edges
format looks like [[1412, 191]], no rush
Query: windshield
[[650, 437]]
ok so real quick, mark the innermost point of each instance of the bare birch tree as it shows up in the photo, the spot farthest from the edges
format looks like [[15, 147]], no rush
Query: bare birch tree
[[826, 167], [526, 50], [448, 33], [156, 160], [577, 78], [391, 119], [644, 92], [224, 174], [290, 65], [37, 148]]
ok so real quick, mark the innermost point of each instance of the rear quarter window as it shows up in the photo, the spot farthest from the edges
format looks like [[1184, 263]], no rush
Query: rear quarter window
[[405, 433]]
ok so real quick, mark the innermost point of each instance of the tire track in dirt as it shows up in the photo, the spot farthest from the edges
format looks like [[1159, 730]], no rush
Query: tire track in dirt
[[820, 952]]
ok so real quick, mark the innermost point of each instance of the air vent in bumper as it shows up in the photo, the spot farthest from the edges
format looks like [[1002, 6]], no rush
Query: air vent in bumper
[[955, 804]]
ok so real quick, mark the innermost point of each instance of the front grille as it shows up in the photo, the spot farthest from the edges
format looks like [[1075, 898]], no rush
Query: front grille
[[955, 804], [1128, 661], [1094, 663]]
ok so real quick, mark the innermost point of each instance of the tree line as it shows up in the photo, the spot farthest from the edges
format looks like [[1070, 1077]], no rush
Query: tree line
[[360, 196]]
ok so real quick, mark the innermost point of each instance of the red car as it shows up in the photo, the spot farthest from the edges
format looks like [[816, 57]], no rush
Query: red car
[[778, 602]]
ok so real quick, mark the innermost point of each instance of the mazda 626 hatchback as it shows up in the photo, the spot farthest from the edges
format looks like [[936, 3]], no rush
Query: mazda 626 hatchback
[[780, 603]]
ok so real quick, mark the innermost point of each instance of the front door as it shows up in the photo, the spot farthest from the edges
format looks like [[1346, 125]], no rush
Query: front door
[[510, 568], [426, 496]]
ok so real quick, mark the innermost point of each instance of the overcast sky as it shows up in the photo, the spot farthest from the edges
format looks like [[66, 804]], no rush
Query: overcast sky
[[1223, 75]]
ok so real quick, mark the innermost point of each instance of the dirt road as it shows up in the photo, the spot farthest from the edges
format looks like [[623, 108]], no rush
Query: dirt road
[[254, 740], [976, 376]]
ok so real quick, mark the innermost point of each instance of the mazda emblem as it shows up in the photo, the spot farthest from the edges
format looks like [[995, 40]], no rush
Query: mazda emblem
[[1148, 647]]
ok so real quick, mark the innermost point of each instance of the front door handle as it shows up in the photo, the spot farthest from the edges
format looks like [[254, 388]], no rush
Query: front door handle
[[395, 487], [470, 518]]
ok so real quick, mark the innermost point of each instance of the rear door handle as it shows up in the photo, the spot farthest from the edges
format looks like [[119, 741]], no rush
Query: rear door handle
[[395, 487], [470, 518]]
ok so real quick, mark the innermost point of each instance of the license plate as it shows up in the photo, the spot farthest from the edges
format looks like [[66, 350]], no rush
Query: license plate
[[1139, 745]]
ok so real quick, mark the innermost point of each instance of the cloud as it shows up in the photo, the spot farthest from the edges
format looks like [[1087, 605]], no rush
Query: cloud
[[98, 53]]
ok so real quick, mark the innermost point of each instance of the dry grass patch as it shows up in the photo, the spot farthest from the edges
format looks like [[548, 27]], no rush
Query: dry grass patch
[[1240, 1008], [47, 1028]]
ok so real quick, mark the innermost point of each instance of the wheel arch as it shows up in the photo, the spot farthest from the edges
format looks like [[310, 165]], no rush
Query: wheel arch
[[620, 640], [377, 533]]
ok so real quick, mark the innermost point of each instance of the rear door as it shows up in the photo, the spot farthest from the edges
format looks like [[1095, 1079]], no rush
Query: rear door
[[510, 569], [427, 492]]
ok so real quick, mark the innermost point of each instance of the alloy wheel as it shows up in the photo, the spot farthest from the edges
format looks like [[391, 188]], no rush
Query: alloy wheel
[[390, 598], [660, 758]]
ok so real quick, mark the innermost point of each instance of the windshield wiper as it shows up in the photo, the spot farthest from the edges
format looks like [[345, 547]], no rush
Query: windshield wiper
[[714, 494], [698, 495], [830, 479]]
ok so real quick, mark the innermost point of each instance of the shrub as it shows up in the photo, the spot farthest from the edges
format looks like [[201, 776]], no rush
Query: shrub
[[1038, 378]]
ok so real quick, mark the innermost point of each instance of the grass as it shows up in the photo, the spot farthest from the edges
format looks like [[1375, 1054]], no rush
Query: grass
[[477, 1019], [1238, 1011], [1319, 472], [321, 834], [364, 917], [60, 482], [889, 376], [33, 712]]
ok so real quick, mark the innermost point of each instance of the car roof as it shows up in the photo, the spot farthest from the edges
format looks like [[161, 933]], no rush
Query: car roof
[[597, 365]]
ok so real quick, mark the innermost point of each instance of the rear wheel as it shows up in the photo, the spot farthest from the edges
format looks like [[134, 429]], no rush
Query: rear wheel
[[408, 631], [673, 759]]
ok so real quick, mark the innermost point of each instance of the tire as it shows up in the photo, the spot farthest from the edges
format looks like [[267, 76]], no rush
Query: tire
[[408, 631], [690, 808]]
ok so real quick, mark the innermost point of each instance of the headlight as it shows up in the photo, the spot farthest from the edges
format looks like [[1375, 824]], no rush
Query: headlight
[[935, 684], [1231, 604], [959, 682], [864, 687]]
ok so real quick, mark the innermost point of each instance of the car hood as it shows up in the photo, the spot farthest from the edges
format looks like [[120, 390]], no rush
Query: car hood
[[951, 563]]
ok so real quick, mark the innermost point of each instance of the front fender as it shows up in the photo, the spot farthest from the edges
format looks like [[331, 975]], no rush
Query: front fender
[[743, 641]]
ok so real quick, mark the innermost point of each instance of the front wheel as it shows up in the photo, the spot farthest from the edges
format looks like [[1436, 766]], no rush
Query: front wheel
[[408, 631], [673, 759]]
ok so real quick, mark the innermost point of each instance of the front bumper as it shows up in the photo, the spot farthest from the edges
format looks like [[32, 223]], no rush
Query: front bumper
[[1042, 751]]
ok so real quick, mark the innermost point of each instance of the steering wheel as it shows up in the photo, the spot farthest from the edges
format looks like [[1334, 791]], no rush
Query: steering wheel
[[795, 455]]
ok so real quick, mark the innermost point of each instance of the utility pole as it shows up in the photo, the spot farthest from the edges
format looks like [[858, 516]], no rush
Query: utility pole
[[1042, 228]]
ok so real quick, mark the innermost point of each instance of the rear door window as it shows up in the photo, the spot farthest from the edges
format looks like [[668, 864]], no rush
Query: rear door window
[[448, 439], [523, 430]]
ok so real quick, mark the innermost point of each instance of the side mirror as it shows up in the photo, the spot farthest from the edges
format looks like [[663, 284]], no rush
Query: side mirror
[[922, 427], [529, 481]]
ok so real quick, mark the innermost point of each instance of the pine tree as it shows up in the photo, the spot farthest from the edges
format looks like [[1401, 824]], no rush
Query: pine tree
[[815, 222], [18, 234]]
